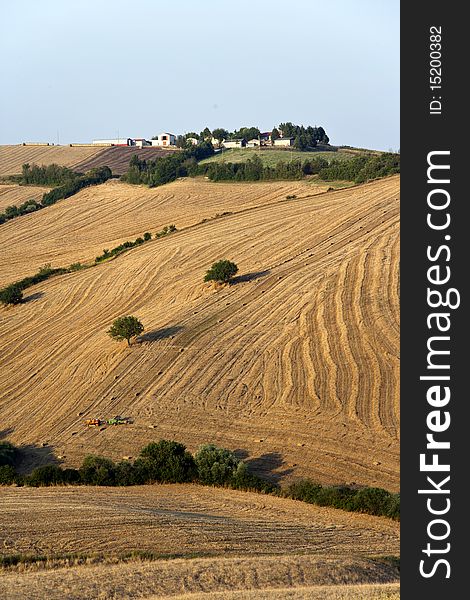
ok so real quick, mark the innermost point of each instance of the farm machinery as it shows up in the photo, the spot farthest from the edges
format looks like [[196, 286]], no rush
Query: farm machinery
[[117, 420]]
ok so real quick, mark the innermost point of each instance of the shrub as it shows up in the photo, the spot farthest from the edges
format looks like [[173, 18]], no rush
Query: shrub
[[221, 271], [8, 453], [167, 462], [374, 501], [124, 328], [71, 476], [96, 470], [126, 474], [215, 466], [7, 475], [76, 267], [11, 294], [47, 475], [304, 490], [147, 236]]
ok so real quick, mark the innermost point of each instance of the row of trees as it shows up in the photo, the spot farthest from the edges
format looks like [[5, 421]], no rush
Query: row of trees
[[163, 170], [304, 137], [359, 169], [167, 461], [362, 168], [253, 169], [46, 175]]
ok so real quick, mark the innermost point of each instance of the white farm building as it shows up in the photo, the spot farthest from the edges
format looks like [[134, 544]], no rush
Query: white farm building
[[240, 143], [284, 141], [164, 139]]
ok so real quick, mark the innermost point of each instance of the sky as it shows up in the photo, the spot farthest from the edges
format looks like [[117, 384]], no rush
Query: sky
[[76, 70]]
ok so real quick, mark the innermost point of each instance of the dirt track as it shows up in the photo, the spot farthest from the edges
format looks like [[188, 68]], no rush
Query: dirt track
[[295, 366]]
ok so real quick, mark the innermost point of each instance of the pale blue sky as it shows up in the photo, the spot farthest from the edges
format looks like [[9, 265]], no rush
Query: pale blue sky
[[91, 68]]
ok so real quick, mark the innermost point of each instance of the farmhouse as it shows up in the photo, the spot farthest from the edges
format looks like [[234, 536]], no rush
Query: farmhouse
[[284, 141], [253, 143], [164, 139], [193, 141], [238, 143]]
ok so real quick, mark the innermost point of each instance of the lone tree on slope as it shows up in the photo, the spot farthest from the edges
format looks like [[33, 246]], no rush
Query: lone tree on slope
[[221, 271], [124, 328]]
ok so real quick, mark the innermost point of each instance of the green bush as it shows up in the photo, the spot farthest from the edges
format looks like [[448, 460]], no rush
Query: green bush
[[11, 294], [373, 501], [7, 475], [221, 271], [147, 236], [304, 490], [215, 466], [96, 470], [167, 462], [44, 476]]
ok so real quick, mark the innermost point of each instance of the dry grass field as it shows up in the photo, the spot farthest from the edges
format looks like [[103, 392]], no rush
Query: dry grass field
[[294, 366], [13, 157], [79, 158], [118, 158], [14, 195], [78, 228], [219, 540]]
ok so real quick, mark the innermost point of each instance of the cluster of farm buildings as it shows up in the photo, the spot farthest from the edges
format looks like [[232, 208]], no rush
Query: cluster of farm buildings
[[168, 140]]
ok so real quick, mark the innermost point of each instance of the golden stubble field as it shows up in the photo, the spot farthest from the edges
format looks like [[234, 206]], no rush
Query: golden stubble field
[[218, 540], [79, 228], [14, 195], [295, 366], [12, 158]]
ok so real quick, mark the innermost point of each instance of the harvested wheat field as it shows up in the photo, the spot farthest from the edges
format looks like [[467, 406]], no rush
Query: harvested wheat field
[[117, 158], [12, 158], [104, 216], [294, 365], [14, 195], [218, 540]]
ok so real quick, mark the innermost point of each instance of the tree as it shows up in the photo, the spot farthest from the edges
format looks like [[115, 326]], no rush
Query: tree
[[167, 462], [12, 294], [206, 134], [124, 328], [215, 465], [275, 135], [222, 270], [220, 134]]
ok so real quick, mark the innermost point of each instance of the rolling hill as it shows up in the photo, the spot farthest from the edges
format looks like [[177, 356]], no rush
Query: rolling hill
[[191, 540], [14, 195], [295, 365], [78, 158]]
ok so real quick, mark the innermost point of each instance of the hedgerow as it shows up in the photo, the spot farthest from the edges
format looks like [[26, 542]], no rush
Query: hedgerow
[[167, 461]]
